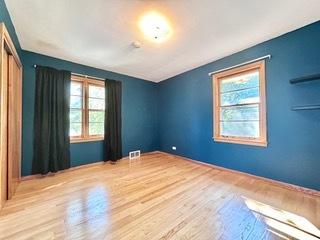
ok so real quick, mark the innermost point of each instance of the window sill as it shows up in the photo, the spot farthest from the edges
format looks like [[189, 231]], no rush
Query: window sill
[[241, 141], [86, 140]]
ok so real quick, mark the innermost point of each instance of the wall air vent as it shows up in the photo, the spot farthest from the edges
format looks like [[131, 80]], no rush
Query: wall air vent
[[134, 154]]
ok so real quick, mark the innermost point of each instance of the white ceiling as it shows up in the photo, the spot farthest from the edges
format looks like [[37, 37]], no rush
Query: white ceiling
[[99, 33]]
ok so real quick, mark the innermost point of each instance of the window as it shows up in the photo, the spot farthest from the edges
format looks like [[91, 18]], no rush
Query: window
[[240, 105], [87, 107]]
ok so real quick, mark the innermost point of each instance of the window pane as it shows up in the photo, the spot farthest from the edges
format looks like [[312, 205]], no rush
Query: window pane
[[96, 116], [97, 104], [76, 88], [240, 129], [96, 91], [246, 80], [75, 102], [75, 116], [240, 97], [240, 113], [75, 129], [96, 128]]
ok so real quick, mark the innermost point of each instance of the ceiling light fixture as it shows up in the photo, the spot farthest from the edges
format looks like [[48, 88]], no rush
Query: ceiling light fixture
[[155, 27]]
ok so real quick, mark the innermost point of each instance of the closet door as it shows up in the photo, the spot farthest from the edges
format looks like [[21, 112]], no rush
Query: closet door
[[14, 125], [10, 116], [3, 125]]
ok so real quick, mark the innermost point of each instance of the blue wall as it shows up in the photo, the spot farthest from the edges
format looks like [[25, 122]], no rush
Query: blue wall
[[139, 112], [293, 152]]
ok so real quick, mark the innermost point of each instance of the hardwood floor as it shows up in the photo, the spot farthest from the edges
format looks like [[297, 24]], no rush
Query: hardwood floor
[[157, 197]]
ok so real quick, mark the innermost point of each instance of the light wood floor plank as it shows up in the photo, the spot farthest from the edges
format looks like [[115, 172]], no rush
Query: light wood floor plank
[[158, 196]]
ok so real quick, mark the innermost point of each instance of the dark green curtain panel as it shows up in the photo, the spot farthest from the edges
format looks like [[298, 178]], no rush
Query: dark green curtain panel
[[113, 122], [51, 120]]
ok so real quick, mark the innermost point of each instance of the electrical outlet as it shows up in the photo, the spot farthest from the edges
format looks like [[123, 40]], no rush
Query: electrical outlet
[[174, 148]]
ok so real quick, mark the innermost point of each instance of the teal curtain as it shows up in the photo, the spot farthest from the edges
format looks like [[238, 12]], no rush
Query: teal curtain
[[113, 121], [51, 120]]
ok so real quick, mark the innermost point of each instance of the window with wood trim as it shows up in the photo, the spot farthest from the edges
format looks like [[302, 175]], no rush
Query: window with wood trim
[[87, 109], [240, 105]]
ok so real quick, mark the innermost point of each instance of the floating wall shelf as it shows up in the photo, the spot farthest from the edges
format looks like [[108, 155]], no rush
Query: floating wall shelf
[[306, 107], [305, 79]]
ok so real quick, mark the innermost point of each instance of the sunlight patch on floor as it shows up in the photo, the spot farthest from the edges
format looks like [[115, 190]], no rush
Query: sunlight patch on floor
[[284, 222]]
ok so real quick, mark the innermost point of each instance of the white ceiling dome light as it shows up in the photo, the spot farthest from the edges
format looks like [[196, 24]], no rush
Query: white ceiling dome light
[[155, 27]]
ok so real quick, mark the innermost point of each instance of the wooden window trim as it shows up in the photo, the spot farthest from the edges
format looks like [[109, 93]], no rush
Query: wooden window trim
[[85, 137], [262, 140]]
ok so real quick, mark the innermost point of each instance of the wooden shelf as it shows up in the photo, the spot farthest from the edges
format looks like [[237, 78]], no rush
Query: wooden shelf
[[305, 79], [306, 107]]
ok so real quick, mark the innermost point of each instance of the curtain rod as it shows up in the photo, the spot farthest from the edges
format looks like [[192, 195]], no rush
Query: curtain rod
[[241, 64], [82, 75]]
